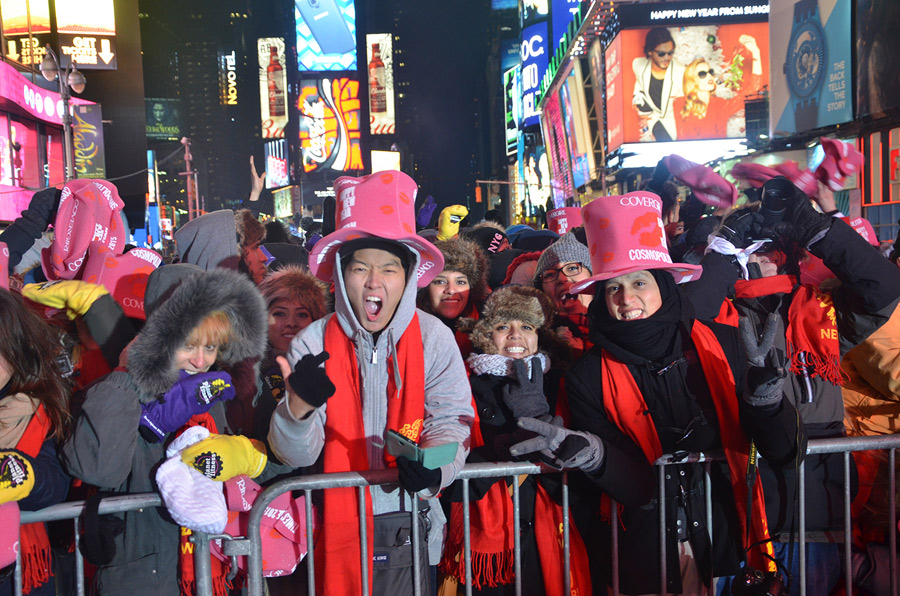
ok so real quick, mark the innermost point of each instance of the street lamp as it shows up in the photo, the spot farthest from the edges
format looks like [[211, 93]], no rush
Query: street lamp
[[73, 79]]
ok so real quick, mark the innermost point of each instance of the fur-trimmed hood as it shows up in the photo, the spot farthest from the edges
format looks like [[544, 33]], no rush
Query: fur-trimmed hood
[[150, 357]]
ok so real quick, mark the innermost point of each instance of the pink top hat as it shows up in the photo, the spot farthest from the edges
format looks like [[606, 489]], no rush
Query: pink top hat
[[708, 186], [805, 180], [625, 234], [755, 174], [123, 276], [89, 212], [4, 266], [564, 219], [380, 205], [9, 533], [841, 160]]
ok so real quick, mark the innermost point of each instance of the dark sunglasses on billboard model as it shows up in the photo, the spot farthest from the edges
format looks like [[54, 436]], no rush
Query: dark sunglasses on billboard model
[[662, 54], [702, 73]]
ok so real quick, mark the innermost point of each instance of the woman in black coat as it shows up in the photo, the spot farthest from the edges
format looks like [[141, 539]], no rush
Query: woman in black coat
[[659, 381]]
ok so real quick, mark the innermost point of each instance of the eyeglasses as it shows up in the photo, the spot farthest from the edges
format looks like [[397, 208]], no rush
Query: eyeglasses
[[571, 270], [663, 54], [702, 73]]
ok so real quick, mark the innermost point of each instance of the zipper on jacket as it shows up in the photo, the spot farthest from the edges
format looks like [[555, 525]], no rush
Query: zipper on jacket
[[374, 354]]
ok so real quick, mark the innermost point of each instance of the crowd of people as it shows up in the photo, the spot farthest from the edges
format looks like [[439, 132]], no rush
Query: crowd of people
[[624, 330]]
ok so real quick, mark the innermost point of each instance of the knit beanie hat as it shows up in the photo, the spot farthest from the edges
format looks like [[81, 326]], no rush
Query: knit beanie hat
[[468, 258], [565, 250], [489, 236], [511, 303], [249, 229]]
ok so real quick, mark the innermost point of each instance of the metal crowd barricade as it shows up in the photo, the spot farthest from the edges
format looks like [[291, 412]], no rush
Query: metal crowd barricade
[[251, 546]]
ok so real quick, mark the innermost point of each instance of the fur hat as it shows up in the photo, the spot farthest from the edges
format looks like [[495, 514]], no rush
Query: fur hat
[[469, 259], [249, 229], [510, 303], [294, 282]]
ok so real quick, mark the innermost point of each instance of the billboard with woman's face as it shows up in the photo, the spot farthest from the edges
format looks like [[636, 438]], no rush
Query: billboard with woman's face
[[688, 83]]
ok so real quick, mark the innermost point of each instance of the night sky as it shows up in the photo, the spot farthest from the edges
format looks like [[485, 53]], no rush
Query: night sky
[[446, 60]]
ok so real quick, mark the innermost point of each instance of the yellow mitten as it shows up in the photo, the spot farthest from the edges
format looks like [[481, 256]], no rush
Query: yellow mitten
[[222, 457], [16, 476], [448, 221], [73, 295]]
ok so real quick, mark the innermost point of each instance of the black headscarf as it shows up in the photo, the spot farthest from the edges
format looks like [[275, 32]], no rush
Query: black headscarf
[[645, 339]]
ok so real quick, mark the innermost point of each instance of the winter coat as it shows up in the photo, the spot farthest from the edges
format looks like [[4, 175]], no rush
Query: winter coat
[[499, 431], [448, 399], [105, 448], [677, 395]]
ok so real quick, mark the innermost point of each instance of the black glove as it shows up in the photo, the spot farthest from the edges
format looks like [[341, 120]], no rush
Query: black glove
[[525, 397], [697, 234], [802, 223], [741, 227], [767, 365], [415, 477], [309, 380]]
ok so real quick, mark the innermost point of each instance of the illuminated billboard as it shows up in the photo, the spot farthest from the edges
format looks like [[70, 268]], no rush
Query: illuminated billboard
[[691, 82], [563, 13], [379, 55], [385, 160], [163, 118], [228, 87], [326, 34], [19, 46], [87, 33], [535, 58], [575, 120], [273, 101], [511, 107], [277, 170], [615, 91], [812, 79], [555, 140], [87, 141], [283, 202], [329, 125]]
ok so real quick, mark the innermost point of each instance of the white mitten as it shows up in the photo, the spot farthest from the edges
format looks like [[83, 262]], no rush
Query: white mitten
[[193, 500]]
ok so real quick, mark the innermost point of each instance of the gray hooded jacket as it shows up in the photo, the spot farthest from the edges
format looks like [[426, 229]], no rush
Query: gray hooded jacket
[[105, 448], [448, 398]]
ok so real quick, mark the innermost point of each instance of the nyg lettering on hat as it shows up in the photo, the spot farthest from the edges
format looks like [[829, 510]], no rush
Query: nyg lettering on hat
[[563, 219], [88, 213], [380, 205], [625, 234], [124, 276]]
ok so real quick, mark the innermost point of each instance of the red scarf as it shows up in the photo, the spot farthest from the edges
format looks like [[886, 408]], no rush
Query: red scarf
[[491, 534], [338, 548], [33, 540], [491, 539], [812, 333], [218, 569], [625, 406]]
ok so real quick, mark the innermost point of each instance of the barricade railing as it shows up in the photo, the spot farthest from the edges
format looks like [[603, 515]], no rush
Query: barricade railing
[[251, 545]]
